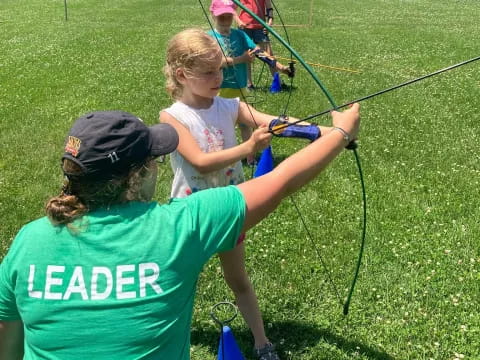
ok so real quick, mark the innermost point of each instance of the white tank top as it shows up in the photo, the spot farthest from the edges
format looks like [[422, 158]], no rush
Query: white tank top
[[214, 130]]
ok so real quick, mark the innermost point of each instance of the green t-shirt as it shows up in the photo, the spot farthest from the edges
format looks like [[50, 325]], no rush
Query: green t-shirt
[[123, 285]]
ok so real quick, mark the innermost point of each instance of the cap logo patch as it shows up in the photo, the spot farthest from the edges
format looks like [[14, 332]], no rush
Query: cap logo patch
[[113, 157], [73, 145]]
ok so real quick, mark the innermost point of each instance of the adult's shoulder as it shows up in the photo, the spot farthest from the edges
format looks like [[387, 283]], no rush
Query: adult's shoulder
[[33, 231], [219, 201], [42, 223]]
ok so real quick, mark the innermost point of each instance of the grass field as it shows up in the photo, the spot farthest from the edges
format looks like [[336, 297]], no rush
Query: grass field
[[419, 286]]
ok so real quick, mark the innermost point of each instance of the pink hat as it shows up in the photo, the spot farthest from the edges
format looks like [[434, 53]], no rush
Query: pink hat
[[219, 7]]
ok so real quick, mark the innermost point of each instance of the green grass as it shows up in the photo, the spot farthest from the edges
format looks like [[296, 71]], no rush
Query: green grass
[[417, 295]]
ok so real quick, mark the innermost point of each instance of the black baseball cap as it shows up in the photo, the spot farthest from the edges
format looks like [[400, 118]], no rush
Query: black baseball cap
[[106, 144]]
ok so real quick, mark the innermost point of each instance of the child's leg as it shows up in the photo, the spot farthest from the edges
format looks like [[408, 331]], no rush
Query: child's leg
[[284, 69], [233, 263], [267, 48]]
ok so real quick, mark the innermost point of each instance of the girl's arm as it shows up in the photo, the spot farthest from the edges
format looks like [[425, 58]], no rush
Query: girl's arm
[[11, 340], [216, 160], [246, 57], [263, 194], [251, 117]]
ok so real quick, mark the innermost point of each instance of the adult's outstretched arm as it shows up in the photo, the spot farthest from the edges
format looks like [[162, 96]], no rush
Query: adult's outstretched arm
[[263, 194]]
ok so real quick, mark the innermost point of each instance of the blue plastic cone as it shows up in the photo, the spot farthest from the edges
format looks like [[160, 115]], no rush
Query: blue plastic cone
[[265, 164], [276, 84], [227, 347]]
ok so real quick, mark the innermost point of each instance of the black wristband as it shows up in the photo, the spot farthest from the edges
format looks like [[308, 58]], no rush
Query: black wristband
[[269, 13]]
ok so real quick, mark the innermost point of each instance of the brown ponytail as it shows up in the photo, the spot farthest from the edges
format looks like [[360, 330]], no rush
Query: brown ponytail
[[78, 196], [64, 209]]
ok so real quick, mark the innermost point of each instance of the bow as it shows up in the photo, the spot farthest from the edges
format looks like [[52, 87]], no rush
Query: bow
[[351, 146]]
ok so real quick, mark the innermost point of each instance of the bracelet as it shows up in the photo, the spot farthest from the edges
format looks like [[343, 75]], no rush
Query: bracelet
[[346, 136]]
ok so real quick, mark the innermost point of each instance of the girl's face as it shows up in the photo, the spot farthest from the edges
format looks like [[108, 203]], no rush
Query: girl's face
[[204, 80], [224, 21]]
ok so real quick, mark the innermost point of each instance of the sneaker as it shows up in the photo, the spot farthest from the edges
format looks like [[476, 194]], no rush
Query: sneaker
[[266, 353]]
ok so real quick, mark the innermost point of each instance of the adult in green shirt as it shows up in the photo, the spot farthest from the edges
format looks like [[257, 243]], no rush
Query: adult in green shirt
[[110, 274]]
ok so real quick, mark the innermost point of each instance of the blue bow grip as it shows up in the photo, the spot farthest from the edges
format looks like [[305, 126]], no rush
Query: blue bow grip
[[310, 132]]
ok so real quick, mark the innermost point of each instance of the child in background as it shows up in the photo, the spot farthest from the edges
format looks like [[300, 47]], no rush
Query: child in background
[[238, 49], [208, 155], [236, 45], [263, 9]]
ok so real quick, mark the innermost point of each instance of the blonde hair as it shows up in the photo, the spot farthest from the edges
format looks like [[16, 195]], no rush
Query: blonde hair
[[78, 196], [186, 50]]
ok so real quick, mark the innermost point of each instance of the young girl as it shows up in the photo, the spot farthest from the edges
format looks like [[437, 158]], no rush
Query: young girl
[[208, 155]]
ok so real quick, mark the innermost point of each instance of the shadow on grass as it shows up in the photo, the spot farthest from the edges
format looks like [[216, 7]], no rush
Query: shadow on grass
[[297, 338]]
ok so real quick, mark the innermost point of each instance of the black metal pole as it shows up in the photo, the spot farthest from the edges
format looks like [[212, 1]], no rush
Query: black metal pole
[[66, 13]]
